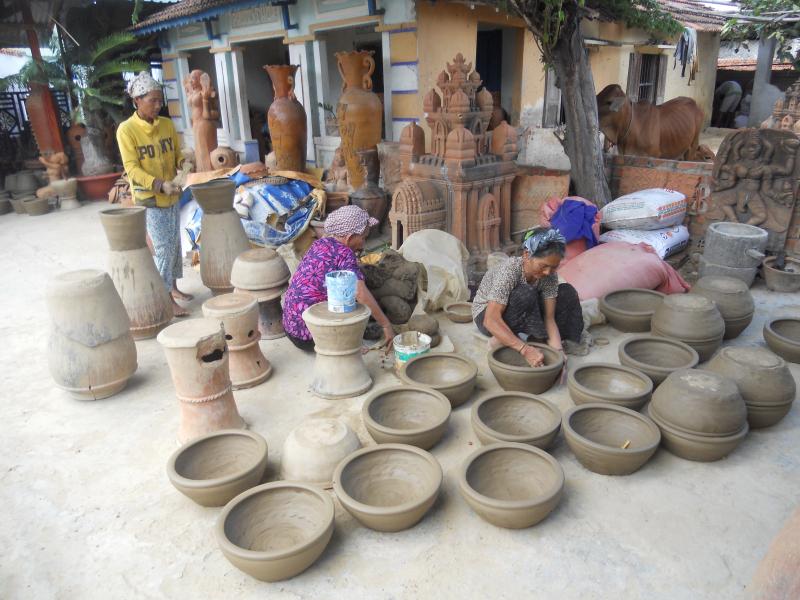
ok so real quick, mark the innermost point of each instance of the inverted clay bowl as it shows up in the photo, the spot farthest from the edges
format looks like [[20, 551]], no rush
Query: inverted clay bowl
[[787, 280], [276, 530], [630, 309], [610, 440], [214, 468], [388, 487], [513, 372], [606, 382], [259, 269], [404, 414], [511, 485], [732, 298], [656, 357], [314, 448], [692, 319], [451, 374], [459, 312], [783, 337], [37, 206], [516, 417]]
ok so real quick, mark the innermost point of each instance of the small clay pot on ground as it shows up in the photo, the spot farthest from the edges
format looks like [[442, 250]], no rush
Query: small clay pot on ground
[[18, 204], [732, 298], [606, 382], [787, 280], [693, 319], [516, 417], [449, 373], [656, 357], [513, 372], [36, 207], [459, 312], [782, 335], [405, 414], [630, 309], [314, 448]]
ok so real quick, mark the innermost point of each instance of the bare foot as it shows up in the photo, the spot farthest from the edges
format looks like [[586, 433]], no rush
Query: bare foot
[[179, 295], [178, 310], [493, 344]]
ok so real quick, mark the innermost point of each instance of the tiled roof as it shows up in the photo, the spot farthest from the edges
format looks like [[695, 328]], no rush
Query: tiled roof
[[748, 64], [188, 11], [688, 12]]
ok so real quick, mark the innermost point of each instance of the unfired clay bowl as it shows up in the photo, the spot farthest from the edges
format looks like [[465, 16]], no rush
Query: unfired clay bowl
[[610, 440], [449, 373], [258, 269], [213, 468], [511, 485], [516, 417], [406, 414], [656, 356], [314, 448], [276, 530], [732, 298], [459, 312], [692, 319], [513, 372], [630, 309], [388, 487], [787, 280], [606, 382], [783, 337]]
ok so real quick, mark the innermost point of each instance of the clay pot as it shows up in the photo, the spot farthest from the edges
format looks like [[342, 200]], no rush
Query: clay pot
[[314, 448], [732, 298], [96, 187], [511, 485], [25, 181], [259, 269], [610, 440], [223, 157], [656, 357], [606, 382], [18, 204], [783, 337], [516, 417], [134, 273], [286, 118], [787, 280], [630, 309], [736, 245], [359, 112], [404, 414], [339, 369], [427, 325], [388, 487], [238, 314], [451, 374], [198, 362], [36, 207], [513, 372], [459, 312], [214, 468], [693, 319], [745, 274], [277, 530]]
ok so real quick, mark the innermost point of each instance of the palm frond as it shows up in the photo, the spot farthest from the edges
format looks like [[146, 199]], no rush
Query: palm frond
[[113, 42], [99, 96], [118, 67]]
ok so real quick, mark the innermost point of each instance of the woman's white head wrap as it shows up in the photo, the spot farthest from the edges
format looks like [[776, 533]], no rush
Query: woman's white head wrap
[[142, 84]]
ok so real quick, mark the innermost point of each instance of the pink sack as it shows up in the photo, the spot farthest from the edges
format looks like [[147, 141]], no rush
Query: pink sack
[[617, 265], [575, 247]]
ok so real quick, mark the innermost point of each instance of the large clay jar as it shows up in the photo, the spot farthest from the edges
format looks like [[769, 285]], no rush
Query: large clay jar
[[359, 112], [198, 362], [222, 234], [134, 273], [91, 353], [692, 319], [732, 298], [263, 274], [370, 196], [286, 118], [238, 314]]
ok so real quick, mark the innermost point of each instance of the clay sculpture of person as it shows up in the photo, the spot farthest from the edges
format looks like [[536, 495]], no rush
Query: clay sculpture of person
[[56, 165], [202, 99], [346, 230], [521, 300], [151, 155], [336, 177]]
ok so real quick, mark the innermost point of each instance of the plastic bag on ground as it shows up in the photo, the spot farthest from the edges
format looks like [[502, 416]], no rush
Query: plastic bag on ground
[[653, 208], [445, 260], [665, 242]]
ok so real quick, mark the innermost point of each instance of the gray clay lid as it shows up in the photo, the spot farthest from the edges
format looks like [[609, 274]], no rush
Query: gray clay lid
[[228, 305], [188, 333]]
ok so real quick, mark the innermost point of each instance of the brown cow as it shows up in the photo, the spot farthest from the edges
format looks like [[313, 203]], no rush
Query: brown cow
[[670, 130]]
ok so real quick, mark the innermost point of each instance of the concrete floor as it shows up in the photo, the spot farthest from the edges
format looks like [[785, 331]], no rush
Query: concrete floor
[[88, 511]]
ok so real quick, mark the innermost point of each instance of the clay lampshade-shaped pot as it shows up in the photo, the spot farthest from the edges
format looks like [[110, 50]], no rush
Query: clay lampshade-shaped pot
[[388, 487], [656, 357], [610, 440], [214, 468], [606, 382], [787, 280], [451, 374], [406, 414], [732, 298], [783, 337], [693, 319], [277, 530], [459, 312], [516, 417], [763, 379], [286, 119], [511, 485], [314, 448], [630, 309], [514, 374]]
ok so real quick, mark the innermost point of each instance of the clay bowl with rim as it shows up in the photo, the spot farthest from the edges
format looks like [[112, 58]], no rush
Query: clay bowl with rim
[[314, 448], [606, 382], [406, 414], [259, 269], [732, 298], [630, 309], [516, 417], [610, 440], [388, 487], [447, 372], [782, 335], [656, 356], [782, 281], [511, 485], [459, 312], [277, 530], [37, 207], [693, 319], [213, 468], [514, 374]]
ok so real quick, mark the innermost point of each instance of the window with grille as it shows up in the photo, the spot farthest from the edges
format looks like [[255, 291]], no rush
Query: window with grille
[[647, 77]]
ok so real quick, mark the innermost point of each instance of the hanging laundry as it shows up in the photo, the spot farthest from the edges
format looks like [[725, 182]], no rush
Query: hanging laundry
[[686, 54]]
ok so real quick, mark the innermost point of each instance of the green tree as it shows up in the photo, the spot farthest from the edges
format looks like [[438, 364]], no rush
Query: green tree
[[777, 20]]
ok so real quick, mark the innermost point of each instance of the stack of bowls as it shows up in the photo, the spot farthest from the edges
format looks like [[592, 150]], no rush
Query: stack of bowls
[[630, 309], [693, 319], [701, 415], [732, 298]]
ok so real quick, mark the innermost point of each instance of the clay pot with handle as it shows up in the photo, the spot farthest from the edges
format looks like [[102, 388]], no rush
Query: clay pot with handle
[[286, 118]]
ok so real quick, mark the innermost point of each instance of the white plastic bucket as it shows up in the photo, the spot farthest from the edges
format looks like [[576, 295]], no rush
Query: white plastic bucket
[[409, 345], [341, 287]]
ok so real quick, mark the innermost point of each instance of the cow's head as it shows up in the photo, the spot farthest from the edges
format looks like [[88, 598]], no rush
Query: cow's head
[[610, 108]]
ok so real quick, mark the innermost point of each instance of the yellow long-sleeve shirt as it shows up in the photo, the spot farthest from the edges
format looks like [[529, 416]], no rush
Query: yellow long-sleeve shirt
[[149, 151]]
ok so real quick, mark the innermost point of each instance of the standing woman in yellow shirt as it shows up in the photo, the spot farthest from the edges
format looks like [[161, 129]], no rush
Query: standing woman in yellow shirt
[[150, 153]]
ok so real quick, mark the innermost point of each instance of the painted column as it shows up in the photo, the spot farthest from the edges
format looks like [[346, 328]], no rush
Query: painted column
[[240, 93], [401, 79], [299, 56], [225, 134], [320, 52], [388, 85]]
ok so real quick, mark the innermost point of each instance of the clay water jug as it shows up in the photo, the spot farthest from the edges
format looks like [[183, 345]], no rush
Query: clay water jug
[[286, 118], [359, 112], [134, 273]]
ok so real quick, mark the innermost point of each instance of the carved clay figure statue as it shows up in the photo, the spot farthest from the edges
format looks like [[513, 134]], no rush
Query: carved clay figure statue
[[336, 178], [202, 99], [56, 165]]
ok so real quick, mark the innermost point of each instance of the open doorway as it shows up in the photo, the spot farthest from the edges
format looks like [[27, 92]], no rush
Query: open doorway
[[498, 61]]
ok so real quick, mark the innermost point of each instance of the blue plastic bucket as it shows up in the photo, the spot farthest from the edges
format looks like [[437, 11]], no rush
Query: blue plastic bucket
[[341, 287]]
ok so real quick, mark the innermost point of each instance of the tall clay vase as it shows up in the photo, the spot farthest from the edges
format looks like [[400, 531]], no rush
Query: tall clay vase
[[222, 235], [134, 273], [286, 118], [359, 112], [91, 353], [198, 362]]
